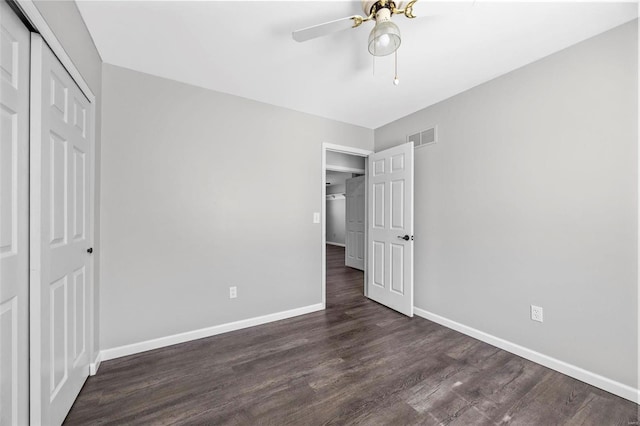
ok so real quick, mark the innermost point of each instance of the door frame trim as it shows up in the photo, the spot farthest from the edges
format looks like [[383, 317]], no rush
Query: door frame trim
[[323, 215]]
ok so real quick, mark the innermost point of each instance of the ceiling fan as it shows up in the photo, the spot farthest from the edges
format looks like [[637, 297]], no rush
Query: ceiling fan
[[384, 38]]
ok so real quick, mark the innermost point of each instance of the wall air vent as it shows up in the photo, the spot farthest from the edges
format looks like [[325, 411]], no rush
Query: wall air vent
[[424, 138]]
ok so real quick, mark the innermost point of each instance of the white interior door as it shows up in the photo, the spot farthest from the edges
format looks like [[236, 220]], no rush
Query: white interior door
[[355, 208], [60, 228], [14, 219], [390, 236]]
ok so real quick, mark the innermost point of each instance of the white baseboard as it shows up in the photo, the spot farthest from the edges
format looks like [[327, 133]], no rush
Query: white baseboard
[[335, 244], [161, 342], [616, 388], [93, 367]]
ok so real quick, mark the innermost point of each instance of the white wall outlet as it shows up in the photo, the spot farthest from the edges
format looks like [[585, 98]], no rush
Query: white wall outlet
[[536, 313], [316, 217], [233, 292]]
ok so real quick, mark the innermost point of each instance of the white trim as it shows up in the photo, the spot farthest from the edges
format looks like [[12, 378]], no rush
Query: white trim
[[331, 243], [93, 367], [161, 342], [323, 203], [331, 168], [638, 238], [323, 228], [35, 210], [92, 278], [581, 374], [346, 150], [36, 19]]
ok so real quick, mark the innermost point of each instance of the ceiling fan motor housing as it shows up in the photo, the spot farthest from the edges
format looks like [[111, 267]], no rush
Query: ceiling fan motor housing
[[374, 6]]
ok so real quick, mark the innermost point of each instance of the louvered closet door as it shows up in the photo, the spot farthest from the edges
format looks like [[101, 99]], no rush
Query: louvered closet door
[[14, 219], [60, 229]]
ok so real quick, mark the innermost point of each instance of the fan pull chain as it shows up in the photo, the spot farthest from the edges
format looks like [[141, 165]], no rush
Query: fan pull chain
[[396, 80], [374, 66]]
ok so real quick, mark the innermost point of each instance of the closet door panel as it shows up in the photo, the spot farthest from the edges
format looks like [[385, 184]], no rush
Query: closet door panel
[[14, 219], [61, 153]]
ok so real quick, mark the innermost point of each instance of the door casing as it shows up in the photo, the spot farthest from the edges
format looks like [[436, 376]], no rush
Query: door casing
[[344, 150]]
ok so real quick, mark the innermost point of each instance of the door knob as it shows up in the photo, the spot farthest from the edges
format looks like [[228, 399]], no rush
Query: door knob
[[90, 250], [406, 237]]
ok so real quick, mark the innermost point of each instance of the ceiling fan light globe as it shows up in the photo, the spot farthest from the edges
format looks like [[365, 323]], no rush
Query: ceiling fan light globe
[[384, 39]]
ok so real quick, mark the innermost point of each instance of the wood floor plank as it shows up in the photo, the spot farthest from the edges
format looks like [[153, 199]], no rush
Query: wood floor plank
[[357, 362]]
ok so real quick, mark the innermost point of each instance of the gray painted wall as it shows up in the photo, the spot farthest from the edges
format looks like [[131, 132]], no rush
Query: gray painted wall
[[64, 19], [336, 220], [530, 197], [188, 207]]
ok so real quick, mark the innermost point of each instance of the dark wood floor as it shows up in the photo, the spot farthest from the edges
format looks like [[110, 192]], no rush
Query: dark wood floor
[[355, 363]]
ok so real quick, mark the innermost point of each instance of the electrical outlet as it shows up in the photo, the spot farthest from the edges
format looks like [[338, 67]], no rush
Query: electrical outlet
[[233, 292], [536, 313]]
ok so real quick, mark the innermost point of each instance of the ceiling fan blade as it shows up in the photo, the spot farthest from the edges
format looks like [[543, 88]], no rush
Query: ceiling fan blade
[[422, 8], [323, 29]]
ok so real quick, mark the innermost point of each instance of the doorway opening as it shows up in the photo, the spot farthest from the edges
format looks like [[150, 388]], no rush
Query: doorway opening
[[340, 220], [344, 215]]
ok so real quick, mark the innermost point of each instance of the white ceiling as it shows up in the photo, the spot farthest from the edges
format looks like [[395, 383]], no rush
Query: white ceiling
[[245, 49]]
